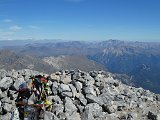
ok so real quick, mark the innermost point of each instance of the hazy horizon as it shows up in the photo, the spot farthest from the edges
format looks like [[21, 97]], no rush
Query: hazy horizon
[[80, 20], [63, 40]]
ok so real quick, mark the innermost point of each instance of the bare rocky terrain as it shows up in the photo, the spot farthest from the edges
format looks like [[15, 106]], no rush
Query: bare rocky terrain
[[73, 62], [11, 60], [94, 95]]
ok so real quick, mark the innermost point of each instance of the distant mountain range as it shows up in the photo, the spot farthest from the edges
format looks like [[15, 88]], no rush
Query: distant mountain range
[[11, 60], [139, 60]]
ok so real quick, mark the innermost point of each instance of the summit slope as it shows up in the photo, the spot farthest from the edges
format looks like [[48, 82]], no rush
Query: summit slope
[[94, 95]]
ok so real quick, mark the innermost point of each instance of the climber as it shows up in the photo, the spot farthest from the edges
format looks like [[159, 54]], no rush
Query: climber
[[39, 82], [25, 91], [36, 83]]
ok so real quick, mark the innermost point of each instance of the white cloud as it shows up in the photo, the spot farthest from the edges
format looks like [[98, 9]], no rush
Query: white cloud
[[33, 27], [7, 20], [15, 28], [6, 33]]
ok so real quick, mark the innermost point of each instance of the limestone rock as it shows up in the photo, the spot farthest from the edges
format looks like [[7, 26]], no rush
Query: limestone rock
[[92, 111], [18, 82], [89, 90], [5, 83], [58, 108], [94, 99], [65, 88], [5, 117], [78, 86], [55, 77], [67, 94], [82, 99], [73, 89], [7, 107], [69, 106], [152, 116], [66, 79], [74, 116]]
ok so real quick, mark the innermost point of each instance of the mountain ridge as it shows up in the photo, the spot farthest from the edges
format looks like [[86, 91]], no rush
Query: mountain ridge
[[11, 60], [121, 57]]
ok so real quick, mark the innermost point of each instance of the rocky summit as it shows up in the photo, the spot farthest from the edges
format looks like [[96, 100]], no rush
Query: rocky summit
[[78, 95]]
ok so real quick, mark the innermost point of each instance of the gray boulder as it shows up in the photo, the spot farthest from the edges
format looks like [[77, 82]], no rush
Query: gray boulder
[[58, 108], [106, 97], [66, 79], [69, 106], [93, 74], [89, 90], [110, 108], [6, 100], [78, 86], [80, 108], [74, 116], [3, 94], [7, 107], [54, 88], [153, 116], [82, 80], [18, 82], [12, 94], [9, 74], [92, 111], [55, 84], [94, 99], [75, 76], [15, 74], [5, 83], [82, 99], [56, 99], [73, 89], [89, 80], [61, 116], [48, 115], [6, 116], [67, 94], [158, 97], [65, 88], [1, 110]]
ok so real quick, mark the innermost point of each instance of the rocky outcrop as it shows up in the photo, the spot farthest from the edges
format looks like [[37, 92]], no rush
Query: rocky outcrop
[[83, 96]]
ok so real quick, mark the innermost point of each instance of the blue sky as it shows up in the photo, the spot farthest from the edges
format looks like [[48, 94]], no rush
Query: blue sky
[[137, 20]]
